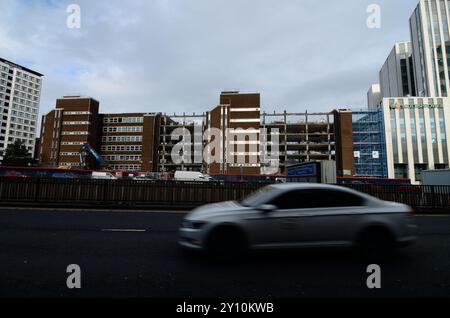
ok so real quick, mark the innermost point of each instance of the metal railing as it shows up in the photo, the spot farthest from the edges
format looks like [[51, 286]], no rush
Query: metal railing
[[119, 193], [38, 192]]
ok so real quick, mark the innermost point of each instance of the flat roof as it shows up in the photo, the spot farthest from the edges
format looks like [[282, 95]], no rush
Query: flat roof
[[21, 67], [77, 97]]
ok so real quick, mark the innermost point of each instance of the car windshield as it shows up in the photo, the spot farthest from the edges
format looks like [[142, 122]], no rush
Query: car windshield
[[258, 197]]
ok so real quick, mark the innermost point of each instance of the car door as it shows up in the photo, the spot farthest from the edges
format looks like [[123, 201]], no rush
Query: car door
[[281, 226], [329, 216]]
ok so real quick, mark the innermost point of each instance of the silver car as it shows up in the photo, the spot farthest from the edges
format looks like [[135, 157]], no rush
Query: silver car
[[299, 215]]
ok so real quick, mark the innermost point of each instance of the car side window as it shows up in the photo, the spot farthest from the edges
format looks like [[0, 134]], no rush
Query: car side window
[[288, 201], [316, 198]]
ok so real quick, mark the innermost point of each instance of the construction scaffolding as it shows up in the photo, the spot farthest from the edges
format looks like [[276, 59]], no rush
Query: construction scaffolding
[[369, 143]]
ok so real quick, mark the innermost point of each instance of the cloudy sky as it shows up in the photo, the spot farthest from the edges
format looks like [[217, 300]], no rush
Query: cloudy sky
[[177, 55]]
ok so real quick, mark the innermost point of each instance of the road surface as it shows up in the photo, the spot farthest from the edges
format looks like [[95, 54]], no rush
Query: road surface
[[135, 254]]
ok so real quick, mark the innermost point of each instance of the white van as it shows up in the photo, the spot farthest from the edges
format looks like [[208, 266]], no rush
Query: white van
[[103, 176], [192, 176]]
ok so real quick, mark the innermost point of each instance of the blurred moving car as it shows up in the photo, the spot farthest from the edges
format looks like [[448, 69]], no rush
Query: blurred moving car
[[299, 215]]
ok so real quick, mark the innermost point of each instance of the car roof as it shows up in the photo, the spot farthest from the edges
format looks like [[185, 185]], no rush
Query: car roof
[[305, 186], [318, 186]]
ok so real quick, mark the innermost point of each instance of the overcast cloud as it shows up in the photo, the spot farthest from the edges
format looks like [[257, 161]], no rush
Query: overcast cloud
[[177, 55]]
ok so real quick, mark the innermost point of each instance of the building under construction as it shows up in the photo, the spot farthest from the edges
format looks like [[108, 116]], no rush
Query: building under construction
[[263, 143]]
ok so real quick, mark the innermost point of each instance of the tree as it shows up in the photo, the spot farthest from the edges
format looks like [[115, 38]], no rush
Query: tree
[[17, 154]]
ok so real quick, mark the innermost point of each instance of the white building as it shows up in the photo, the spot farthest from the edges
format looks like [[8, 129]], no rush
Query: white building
[[430, 30], [397, 74], [374, 97], [417, 134], [20, 91]]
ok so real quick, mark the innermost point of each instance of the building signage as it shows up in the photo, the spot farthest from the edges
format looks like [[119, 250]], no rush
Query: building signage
[[302, 171], [398, 105]]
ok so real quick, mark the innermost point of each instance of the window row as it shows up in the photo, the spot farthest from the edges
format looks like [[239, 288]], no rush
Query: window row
[[123, 129], [77, 113], [26, 89], [121, 148], [75, 123], [127, 167], [26, 96], [110, 120], [122, 139], [23, 115], [75, 133], [123, 158], [23, 121], [21, 134]]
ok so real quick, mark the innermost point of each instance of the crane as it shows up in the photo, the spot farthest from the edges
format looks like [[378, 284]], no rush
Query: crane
[[87, 149]]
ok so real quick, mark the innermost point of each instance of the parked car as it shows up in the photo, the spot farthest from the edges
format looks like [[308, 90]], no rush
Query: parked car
[[299, 215], [192, 176], [103, 176]]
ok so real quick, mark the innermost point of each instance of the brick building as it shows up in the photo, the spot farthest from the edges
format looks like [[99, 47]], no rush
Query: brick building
[[238, 117], [145, 141]]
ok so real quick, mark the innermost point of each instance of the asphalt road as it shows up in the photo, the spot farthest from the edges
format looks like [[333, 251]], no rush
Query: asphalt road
[[37, 246]]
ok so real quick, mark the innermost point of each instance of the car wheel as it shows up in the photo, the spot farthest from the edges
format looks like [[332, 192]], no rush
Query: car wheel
[[226, 243], [376, 244]]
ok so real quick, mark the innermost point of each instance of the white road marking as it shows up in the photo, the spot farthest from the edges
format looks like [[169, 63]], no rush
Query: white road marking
[[124, 230]]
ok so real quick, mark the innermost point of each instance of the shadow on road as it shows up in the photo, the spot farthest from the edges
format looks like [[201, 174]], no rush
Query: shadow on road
[[296, 257]]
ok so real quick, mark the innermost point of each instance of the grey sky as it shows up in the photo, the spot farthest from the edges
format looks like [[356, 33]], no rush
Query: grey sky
[[177, 55]]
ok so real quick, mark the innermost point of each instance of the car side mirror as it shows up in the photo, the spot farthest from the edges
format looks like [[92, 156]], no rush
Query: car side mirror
[[267, 208]]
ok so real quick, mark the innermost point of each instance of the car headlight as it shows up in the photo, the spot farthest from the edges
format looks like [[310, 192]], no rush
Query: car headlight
[[196, 225]]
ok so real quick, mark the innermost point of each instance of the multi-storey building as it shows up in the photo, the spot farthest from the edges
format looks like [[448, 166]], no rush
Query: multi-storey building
[[187, 130], [130, 141], [397, 73], [20, 92], [64, 130], [232, 138], [302, 137], [417, 135], [430, 32], [125, 141], [237, 120]]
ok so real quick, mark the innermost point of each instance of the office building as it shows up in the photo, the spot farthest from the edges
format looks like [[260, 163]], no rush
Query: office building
[[129, 141], [417, 135], [429, 25], [64, 130], [397, 73], [20, 93], [125, 141]]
